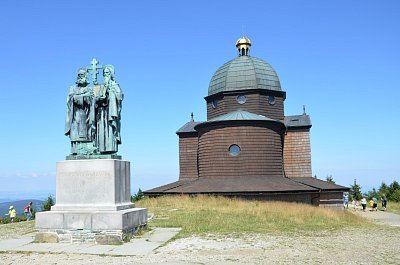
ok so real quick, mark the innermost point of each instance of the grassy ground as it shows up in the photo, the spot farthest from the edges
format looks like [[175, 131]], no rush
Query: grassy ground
[[16, 229], [393, 207], [208, 214], [202, 215]]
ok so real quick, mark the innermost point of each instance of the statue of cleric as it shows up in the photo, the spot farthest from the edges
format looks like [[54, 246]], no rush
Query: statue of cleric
[[93, 117], [108, 113]]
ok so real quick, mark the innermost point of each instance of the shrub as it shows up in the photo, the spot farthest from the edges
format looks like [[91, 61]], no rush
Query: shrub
[[138, 196], [46, 206]]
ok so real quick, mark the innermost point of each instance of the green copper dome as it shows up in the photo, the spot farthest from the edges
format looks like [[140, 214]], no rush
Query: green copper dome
[[244, 72]]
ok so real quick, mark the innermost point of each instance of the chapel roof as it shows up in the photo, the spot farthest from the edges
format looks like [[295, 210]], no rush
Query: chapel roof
[[272, 184], [240, 115], [243, 73], [319, 184], [188, 127], [255, 185], [297, 121]]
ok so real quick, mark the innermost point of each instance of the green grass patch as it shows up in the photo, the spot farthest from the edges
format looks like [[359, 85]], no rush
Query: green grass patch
[[210, 214], [393, 207], [16, 229]]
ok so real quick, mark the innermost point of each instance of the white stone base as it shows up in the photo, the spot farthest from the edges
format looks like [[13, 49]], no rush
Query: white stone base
[[95, 220], [92, 196], [100, 184], [88, 226]]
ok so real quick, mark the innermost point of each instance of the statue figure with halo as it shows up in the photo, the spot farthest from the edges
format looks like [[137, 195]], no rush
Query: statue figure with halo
[[93, 119]]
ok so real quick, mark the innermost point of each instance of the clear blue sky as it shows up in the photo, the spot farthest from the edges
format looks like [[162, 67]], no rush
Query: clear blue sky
[[339, 58]]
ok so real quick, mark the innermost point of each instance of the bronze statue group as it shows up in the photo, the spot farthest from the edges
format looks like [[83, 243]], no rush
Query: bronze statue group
[[94, 113]]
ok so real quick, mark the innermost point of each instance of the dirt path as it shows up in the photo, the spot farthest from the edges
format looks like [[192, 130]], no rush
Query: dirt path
[[380, 217]]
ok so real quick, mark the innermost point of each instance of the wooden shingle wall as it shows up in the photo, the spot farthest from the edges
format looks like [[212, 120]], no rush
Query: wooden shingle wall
[[261, 152], [331, 199], [255, 103], [297, 154], [188, 157]]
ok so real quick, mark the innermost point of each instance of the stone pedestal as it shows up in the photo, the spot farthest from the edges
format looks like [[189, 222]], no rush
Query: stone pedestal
[[92, 203]]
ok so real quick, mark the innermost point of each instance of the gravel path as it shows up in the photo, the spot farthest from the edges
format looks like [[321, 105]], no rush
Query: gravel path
[[345, 246], [381, 217]]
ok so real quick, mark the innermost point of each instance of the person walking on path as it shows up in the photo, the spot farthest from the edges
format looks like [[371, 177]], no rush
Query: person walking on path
[[375, 205], [28, 211], [346, 200], [371, 204], [12, 214], [364, 203], [384, 202]]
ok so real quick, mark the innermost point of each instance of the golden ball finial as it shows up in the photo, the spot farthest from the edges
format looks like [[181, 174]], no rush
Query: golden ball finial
[[243, 46]]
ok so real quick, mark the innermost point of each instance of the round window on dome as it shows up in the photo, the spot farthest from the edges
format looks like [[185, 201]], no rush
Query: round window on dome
[[215, 103], [234, 150], [241, 99], [271, 100]]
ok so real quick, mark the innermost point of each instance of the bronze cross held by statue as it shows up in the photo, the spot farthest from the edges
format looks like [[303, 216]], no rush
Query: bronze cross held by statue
[[94, 68]]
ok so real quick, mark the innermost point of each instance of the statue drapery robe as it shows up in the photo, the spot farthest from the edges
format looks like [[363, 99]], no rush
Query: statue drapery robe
[[79, 123], [108, 116]]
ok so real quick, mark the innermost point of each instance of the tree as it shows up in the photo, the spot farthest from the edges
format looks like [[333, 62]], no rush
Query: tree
[[384, 189], [330, 179], [356, 191], [372, 193], [395, 196], [393, 193], [138, 196], [46, 206], [394, 185]]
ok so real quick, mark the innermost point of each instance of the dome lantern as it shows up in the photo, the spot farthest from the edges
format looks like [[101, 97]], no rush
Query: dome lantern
[[243, 46]]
